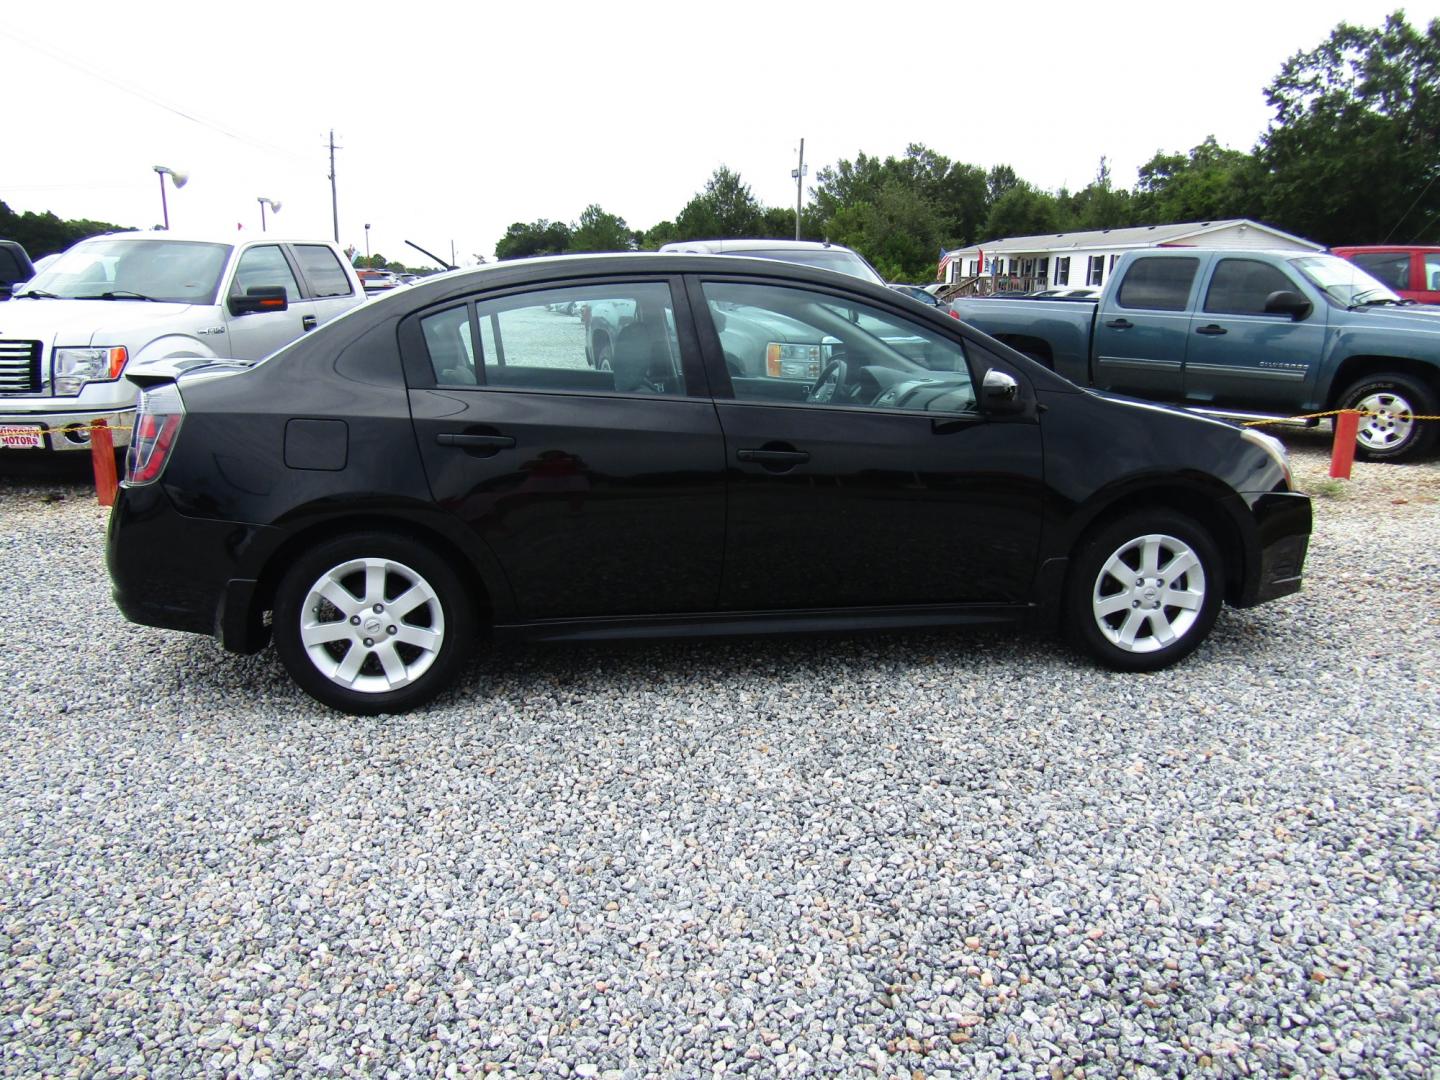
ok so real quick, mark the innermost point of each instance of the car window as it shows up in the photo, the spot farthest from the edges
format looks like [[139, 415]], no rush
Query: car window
[[9, 265], [608, 338], [1390, 267], [1157, 284], [1432, 272], [264, 266], [323, 270], [1241, 286], [785, 344]]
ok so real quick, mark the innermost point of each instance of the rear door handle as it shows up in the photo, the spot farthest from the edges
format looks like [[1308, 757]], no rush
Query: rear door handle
[[476, 442], [1212, 329], [307, 322], [1119, 324], [774, 457]]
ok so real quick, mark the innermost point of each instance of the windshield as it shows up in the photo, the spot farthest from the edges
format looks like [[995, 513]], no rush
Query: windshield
[[175, 271], [844, 262], [1343, 281]]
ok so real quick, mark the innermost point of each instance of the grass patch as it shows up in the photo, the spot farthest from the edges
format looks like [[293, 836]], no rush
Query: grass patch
[[1329, 488]]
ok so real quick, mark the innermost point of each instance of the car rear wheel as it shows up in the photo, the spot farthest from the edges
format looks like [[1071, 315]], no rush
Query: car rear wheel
[[1389, 431], [372, 623], [1144, 591]]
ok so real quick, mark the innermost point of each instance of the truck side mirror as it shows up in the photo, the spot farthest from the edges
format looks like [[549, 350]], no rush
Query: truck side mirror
[[259, 298], [1285, 302], [1000, 392]]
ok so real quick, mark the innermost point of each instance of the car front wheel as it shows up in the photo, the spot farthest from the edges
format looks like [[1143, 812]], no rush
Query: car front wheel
[[1388, 430], [1144, 591], [372, 623]]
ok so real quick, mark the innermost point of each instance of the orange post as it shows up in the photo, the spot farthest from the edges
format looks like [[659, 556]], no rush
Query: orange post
[[102, 458], [1342, 453]]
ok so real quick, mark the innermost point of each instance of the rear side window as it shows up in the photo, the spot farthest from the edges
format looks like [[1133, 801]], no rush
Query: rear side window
[[9, 266], [599, 338], [322, 270], [1241, 286], [1390, 267], [1158, 284], [1432, 273]]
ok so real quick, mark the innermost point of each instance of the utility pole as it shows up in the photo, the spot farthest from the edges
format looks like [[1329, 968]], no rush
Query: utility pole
[[334, 200], [799, 175]]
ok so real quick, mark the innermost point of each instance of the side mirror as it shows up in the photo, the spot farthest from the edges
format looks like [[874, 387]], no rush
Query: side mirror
[[1285, 302], [259, 298], [999, 392]]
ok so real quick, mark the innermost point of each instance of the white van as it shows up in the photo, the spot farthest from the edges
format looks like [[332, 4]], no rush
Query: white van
[[123, 299]]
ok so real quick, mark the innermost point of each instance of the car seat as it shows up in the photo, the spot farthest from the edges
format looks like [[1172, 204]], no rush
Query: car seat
[[641, 362]]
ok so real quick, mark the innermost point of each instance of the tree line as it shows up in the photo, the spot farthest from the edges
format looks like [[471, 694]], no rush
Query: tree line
[[1351, 155]]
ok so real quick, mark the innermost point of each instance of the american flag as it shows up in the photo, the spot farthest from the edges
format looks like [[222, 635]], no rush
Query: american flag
[[946, 258]]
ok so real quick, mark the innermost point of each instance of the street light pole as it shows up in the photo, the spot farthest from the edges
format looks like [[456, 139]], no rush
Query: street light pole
[[367, 240], [176, 178], [799, 175], [274, 205]]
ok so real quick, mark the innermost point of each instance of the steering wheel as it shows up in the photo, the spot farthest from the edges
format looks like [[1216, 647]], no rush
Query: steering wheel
[[832, 377]]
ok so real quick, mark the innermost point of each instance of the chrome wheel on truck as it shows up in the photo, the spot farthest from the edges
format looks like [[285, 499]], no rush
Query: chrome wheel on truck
[[1389, 431]]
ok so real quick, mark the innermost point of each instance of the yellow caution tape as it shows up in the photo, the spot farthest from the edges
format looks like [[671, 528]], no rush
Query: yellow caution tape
[[1332, 412]]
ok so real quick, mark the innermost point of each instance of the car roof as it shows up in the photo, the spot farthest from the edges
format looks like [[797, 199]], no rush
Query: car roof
[[719, 246]]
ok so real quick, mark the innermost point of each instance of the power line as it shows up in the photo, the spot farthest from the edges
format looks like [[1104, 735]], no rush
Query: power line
[[151, 98]]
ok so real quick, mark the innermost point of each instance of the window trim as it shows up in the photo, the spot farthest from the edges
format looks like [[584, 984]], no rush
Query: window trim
[[719, 374], [419, 375]]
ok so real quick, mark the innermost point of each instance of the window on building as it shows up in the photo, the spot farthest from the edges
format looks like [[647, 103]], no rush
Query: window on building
[[1095, 275], [1062, 270]]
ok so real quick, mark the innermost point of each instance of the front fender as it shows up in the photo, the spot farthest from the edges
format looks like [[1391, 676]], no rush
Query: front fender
[[173, 346]]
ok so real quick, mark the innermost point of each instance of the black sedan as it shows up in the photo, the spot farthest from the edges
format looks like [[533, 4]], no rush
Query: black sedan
[[445, 465]]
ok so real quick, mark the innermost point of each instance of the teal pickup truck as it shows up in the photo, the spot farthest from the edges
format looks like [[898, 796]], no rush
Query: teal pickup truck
[[1245, 335]]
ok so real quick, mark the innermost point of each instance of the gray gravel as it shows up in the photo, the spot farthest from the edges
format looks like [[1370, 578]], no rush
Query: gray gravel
[[918, 855]]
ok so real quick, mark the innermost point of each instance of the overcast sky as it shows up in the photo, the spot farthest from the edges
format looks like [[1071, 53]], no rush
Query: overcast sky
[[458, 119]]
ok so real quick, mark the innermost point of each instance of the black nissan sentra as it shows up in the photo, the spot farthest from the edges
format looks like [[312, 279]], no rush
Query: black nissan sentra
[[653, 445]]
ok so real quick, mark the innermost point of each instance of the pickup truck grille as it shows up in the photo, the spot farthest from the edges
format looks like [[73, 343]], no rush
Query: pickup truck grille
[[19, 367]]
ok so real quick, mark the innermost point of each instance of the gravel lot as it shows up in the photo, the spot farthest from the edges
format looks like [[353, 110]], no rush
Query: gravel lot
[[909, 856]]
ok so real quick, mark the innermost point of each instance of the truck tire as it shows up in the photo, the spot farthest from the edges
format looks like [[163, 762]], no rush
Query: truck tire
[[1388, 433], [1144, 591]]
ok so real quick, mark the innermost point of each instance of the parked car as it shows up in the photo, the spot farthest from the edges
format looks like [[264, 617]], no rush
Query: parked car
[[445, 463], [15, 267], [1079, 292], [1413, 272], [376, 282], [1244, 334], [113, 302], [826, 256]]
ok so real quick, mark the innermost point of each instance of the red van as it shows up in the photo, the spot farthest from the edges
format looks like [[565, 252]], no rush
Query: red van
[[1413, 272]]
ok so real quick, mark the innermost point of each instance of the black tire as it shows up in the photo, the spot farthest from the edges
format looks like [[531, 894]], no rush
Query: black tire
[[1388, 436], [443, 617], [604, 356], [1101, 610]]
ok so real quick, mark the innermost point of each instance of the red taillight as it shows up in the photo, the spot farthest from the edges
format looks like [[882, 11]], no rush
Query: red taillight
[[157, 426], [953, 313]]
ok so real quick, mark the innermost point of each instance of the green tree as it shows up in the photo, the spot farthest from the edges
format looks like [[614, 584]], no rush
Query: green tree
[[542, 237], [45, 234], [1022, 211], [725, 209], [1353, 152], [600, 231], [1209, 183], [1096, 206]]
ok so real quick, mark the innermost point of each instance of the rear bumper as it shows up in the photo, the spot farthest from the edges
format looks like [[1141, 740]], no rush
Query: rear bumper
[[69, 430], [201, 587]]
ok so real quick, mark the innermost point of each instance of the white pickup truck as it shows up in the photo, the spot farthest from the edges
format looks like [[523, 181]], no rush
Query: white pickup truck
[[124, 299]]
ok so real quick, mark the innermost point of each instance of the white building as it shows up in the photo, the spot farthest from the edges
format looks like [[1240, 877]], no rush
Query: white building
[[1028, 263]]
